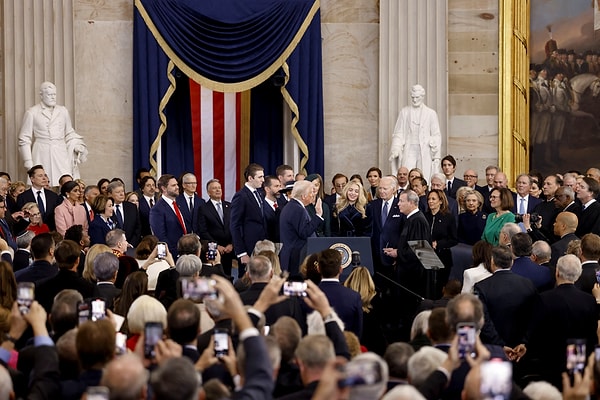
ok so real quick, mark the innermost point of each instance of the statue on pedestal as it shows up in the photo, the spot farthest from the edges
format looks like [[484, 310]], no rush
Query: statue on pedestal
[[56, 145], [417, 139]]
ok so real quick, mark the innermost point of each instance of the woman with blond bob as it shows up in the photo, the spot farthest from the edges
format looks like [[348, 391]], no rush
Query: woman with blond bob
[[350, 217]]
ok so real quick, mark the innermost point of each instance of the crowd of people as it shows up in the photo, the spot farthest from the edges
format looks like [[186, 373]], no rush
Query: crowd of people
[[158, 293]]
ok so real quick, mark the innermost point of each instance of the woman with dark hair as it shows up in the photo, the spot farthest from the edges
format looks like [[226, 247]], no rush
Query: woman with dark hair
[[310, 268], [70, 212], [373, 176], [8, 286], [481, 268], [324, 228], [136, 284], [103, 186], [102, 222], [443, 232], [349, 216], [501, 200], [472, 222], [14, 190]]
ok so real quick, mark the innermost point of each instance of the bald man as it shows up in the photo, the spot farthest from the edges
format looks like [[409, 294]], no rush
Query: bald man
[[593, 173], [126, 377], [564, 227]]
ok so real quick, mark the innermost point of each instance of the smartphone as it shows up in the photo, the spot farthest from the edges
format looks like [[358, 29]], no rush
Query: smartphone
[[361, 372], [576, 357], [153, 332], [120, 343], [83, 312], [211, 254], [294, 288], [161, 250], [221, 337], [598, 276], [597, 353], [198, 289], [97, 393], [25, 296], [98, 309], [496, 380], [467, 333]]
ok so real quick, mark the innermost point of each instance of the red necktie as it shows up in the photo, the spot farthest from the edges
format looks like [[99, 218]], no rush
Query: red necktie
[[91, 215], [178, 213], [275, 206]]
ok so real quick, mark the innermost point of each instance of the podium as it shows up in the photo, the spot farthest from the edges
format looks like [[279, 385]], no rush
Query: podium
[[430, 261], [345, 245]]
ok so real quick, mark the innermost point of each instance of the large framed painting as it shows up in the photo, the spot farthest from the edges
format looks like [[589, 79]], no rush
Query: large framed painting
[[564, 85]]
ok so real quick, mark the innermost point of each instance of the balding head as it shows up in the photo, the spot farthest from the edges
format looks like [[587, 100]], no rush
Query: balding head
[[566, 222], [500, 180], [126, 377], [541, 252]]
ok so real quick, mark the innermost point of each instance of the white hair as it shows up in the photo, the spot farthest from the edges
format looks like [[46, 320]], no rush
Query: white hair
[[403, 392], [542, 391], [417, 90], [423, 363]]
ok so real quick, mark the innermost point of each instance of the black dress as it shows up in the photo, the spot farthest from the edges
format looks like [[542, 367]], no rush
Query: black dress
[[350, 222], [443, 231]]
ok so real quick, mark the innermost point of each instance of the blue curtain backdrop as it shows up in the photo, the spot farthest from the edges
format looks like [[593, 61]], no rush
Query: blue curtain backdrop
[[226, 45]]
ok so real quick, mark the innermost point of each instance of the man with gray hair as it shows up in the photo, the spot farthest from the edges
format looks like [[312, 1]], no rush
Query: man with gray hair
[[190, 203], [126, 378], [374, 390], [22, 257], [188, 266], [117, 241], [126, 215], [296, 225], [566, 312], [541, 253], [438, 181], [423, 363], [509, 230], [106, 266]]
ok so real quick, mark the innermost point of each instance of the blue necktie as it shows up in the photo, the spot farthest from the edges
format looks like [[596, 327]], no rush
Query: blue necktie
[[259, 199], [119, 216], [40, 203], [384, 213]]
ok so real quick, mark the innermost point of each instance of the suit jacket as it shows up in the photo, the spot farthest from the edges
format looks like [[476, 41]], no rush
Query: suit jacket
[[589, 222], [346, 303], [247, 223], [144, 213], [588, 276], [98, 230], [46, 289], [190, 217], [131, 222], [22, 259], [456, 184], [452, 206], [485, 192], [566, 313], [259, 382], [272, 221], [386, 235], [6, 234], [548, 211], [166, 287], [165, 225], [36, 272], [108, 292], [532, 202], [52, 200], [575, 208], [559, 248], [471, 226], [211, 227], [508, 301], [87, 212], [295, 227], [538, 275]]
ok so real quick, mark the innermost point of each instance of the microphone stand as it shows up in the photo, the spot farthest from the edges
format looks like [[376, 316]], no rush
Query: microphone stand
[[400, 286]]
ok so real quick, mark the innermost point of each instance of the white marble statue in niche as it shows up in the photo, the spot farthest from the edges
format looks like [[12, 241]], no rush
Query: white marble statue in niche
[[47, 138], [417, 140]]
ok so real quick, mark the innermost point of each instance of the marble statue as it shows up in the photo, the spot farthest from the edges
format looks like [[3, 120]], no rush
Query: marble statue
[[416, 141], [56, 145]]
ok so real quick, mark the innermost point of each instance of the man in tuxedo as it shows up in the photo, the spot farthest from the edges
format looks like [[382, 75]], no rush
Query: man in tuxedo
[[452, 182], [213, 223], [272, 209], [590, 253], [190, 202], [166, 220], [523, 202], [508, 301], [345, 301], [296, 225], [541, 278], [490, 173], [564, 228], [247, 222], [587, 192], [46, 199], [147, 200], [125, 214], [564, 200], [561, 314], [89, 194], [183, 325], [106, 267]]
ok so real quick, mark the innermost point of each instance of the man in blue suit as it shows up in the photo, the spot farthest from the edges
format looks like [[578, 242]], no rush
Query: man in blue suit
[[247, 217], [190, 203], [166, 220], [296, 225], [541, 277], [524, 203]]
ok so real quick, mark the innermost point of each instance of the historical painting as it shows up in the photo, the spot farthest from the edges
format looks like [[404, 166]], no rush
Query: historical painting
[[564, 85]]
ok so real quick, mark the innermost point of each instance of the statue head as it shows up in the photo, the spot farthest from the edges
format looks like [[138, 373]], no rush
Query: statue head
[[48, 94], [417, 94]]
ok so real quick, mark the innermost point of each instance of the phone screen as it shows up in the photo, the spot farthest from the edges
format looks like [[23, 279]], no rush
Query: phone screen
[[98, 307], [221, 343], [83, 312], [294, 288], [153, 332], [466, 339], [25, 296], [161, 250], [496, 380], [576, 357]]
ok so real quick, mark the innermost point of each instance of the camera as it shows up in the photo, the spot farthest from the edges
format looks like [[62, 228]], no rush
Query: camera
[[534, 218]]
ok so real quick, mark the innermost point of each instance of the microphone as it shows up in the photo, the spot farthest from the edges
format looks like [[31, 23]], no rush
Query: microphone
[[356, 258]]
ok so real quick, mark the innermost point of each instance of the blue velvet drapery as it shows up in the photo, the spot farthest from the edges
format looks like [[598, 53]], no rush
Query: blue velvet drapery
[[226, 45]]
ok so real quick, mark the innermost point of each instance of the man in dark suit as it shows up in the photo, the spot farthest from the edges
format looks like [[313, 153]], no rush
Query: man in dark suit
[[523, 202], [508, 301], [147, 199], [22, 257], [67, 258], [272, 209], [386, 228], [285, 174], [90, 193], [346, 302], [564, 228], [402, 178], [5, 232], [166, 220], [437, 182], [564, 200], [339, 182], [547, 208], [190, 202], [561, 314], [490, 173], [590, 253], [247, 222], [125, 214], [183, 325], [214, 219], [296, 225], [523, 265], [42, 249], [587, 192], [452, 183], [106, 267], [46, 199]]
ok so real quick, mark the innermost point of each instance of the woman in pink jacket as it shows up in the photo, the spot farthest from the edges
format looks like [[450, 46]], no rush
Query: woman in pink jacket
[[70, 212]]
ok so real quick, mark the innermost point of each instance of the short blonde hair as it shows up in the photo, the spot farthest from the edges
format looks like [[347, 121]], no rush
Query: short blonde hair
[[145, 309], [88, 269]]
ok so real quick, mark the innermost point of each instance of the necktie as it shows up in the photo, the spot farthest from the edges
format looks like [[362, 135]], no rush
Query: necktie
[[178, 213], [40, 203], [384, 213], [151, 203], [522, 206], [257, 195], [275, 206], [220, 211], [91, 215], [191, 205], [119, 216], [449, 186]]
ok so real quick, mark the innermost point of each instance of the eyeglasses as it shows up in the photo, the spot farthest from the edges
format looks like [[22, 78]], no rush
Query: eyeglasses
[[494, 197], [469, 176], [35, 215]]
